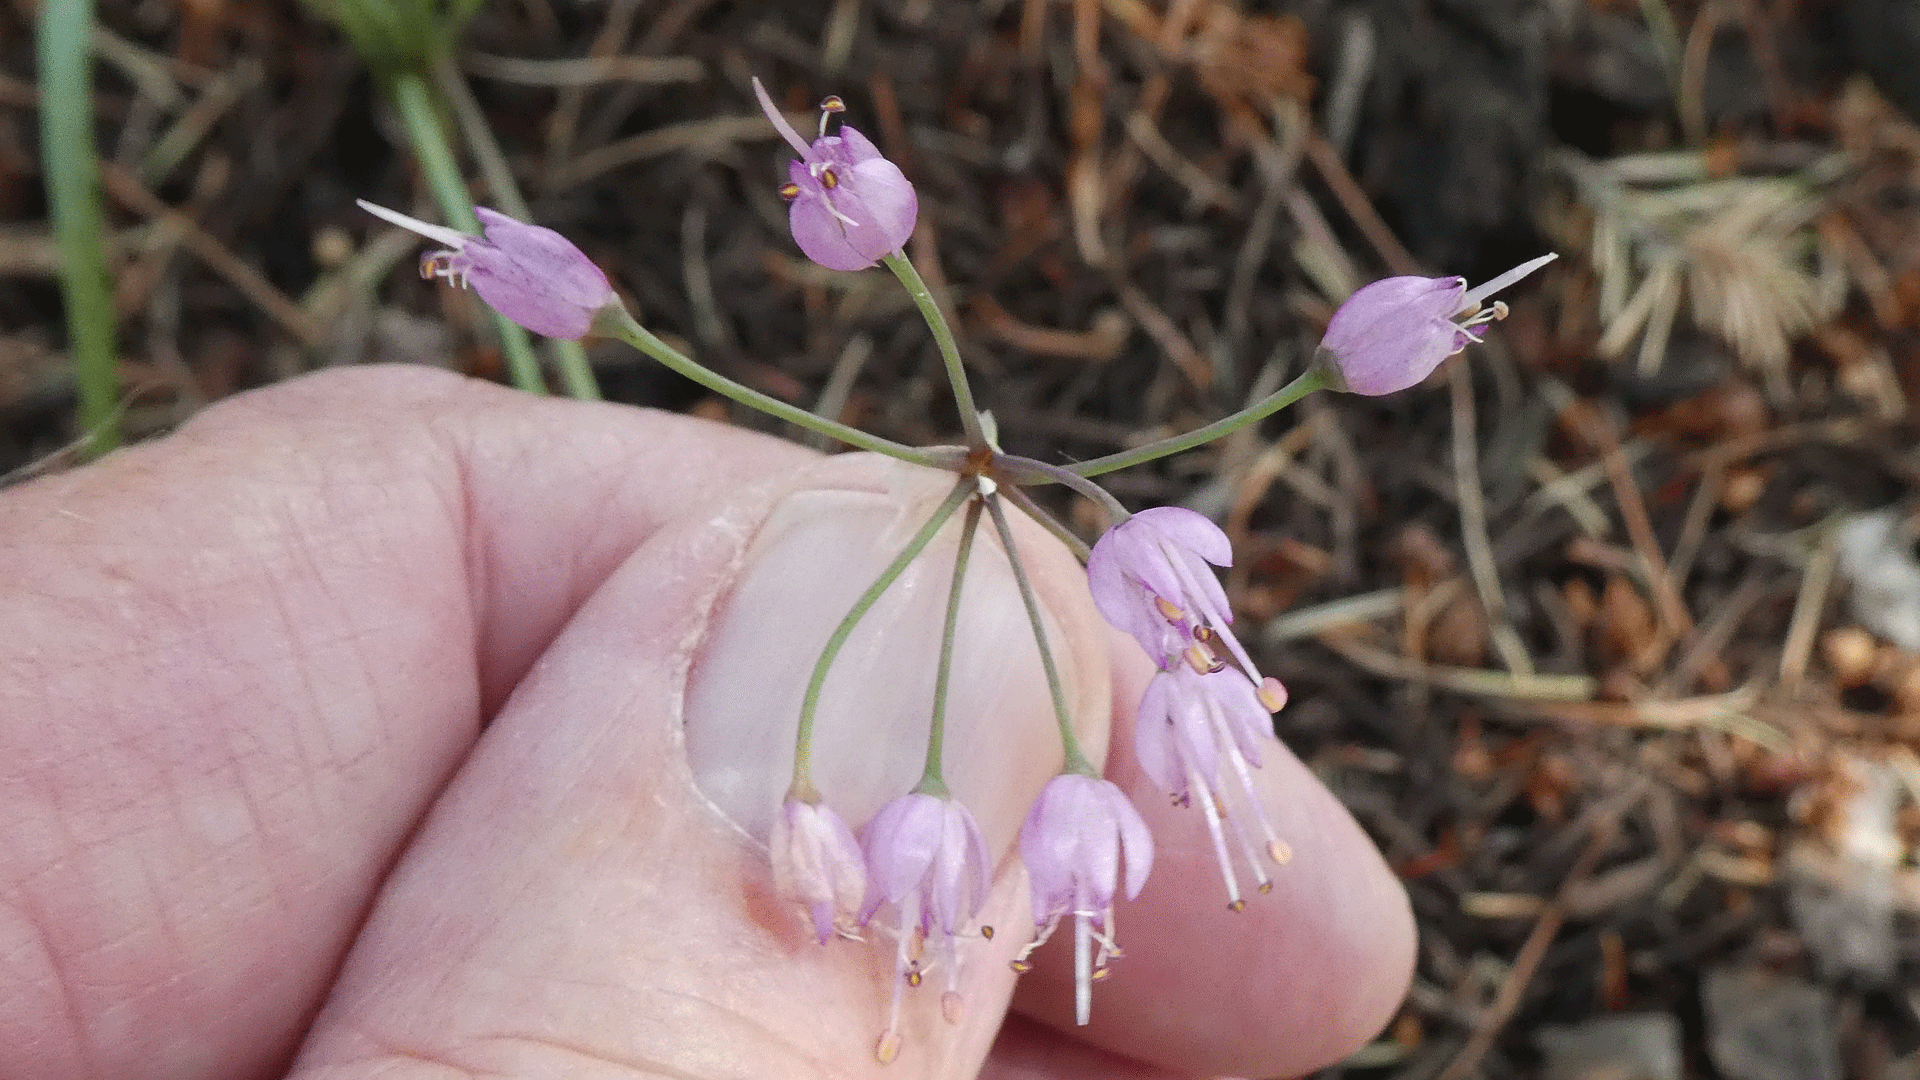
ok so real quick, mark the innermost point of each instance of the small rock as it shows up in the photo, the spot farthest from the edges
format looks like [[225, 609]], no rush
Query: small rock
[[1630, 1046], [1765, 1027], [1876, 556]]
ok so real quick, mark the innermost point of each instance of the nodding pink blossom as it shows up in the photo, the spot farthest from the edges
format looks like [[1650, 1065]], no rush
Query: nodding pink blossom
[[1189, 726], [1391, 334], [926, 857], [533, 276], [818, 865], [850, 207], [1149, 577], [1072, 843]]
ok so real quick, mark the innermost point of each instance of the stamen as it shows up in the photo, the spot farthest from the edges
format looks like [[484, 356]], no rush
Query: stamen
[[828, 106], [1170, 610], [789, 191], [1261, 881], [828, 180], [888, 1048], [435, 264], [986, 932], [1082, 970], [1208, 804]]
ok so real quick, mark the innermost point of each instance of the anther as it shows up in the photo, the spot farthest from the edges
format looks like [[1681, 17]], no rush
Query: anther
[[1169, 610], [435, 264], [888, 1048], [828, 180], [913, 978], [1272, 695], [986, 932], [1020, 967], [789, 191], [1201, 659], [1237, 905], [1279, 852], [830, 105]]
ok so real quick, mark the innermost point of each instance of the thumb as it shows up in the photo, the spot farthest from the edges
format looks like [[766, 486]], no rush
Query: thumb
[[592, 894]]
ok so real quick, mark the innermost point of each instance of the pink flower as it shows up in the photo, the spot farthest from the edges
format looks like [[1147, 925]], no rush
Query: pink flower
[[926, 857], [1391, 334], [533, 276], [1188, 724], [1149, 577], [817, 864], [850, 207], [1072, 843]]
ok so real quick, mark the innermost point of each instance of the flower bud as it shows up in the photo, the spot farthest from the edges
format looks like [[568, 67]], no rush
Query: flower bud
[[818, 865]]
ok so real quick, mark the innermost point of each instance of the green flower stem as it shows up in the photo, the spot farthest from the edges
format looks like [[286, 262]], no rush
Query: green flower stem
[[802, 788], [576, 375], [931, 780], [618, 322], [1023, 470], [1309, 381], [415, 102], [943, 337], [1076, 759], [1047, 521], [73, 196]]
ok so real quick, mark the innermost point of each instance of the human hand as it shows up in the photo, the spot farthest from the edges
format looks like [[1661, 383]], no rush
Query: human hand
[[386, 723]]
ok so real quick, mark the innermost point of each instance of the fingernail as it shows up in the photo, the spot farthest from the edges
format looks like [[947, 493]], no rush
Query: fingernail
[[813, 556]]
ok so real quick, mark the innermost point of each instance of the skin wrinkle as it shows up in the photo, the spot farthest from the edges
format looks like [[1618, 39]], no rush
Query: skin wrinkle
[[461, 509], [41, 934]]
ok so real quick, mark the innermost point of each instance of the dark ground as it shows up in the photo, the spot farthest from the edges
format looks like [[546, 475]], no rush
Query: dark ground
[[1594, 632]]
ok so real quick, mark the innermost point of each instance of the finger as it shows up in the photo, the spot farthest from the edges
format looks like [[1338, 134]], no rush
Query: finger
[[1294, 982], [1028, 1050], [247, 656], [586, 900]]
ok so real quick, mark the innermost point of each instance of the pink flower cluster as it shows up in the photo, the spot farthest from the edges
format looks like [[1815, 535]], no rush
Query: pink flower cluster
[[923, 856], [1204, 716]]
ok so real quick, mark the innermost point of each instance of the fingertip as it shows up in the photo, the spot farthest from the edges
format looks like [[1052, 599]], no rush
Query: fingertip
[[1295, 981]]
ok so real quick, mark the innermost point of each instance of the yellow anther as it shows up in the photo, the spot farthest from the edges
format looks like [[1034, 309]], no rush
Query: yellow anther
[[1201, 659], [1272, 695], [1279, 852], [1020, 967], [828, 180], [986, 932], [888, 1048], [1172, 613], [913, 978], [1237, 905], [789, 191], [832, 103]]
